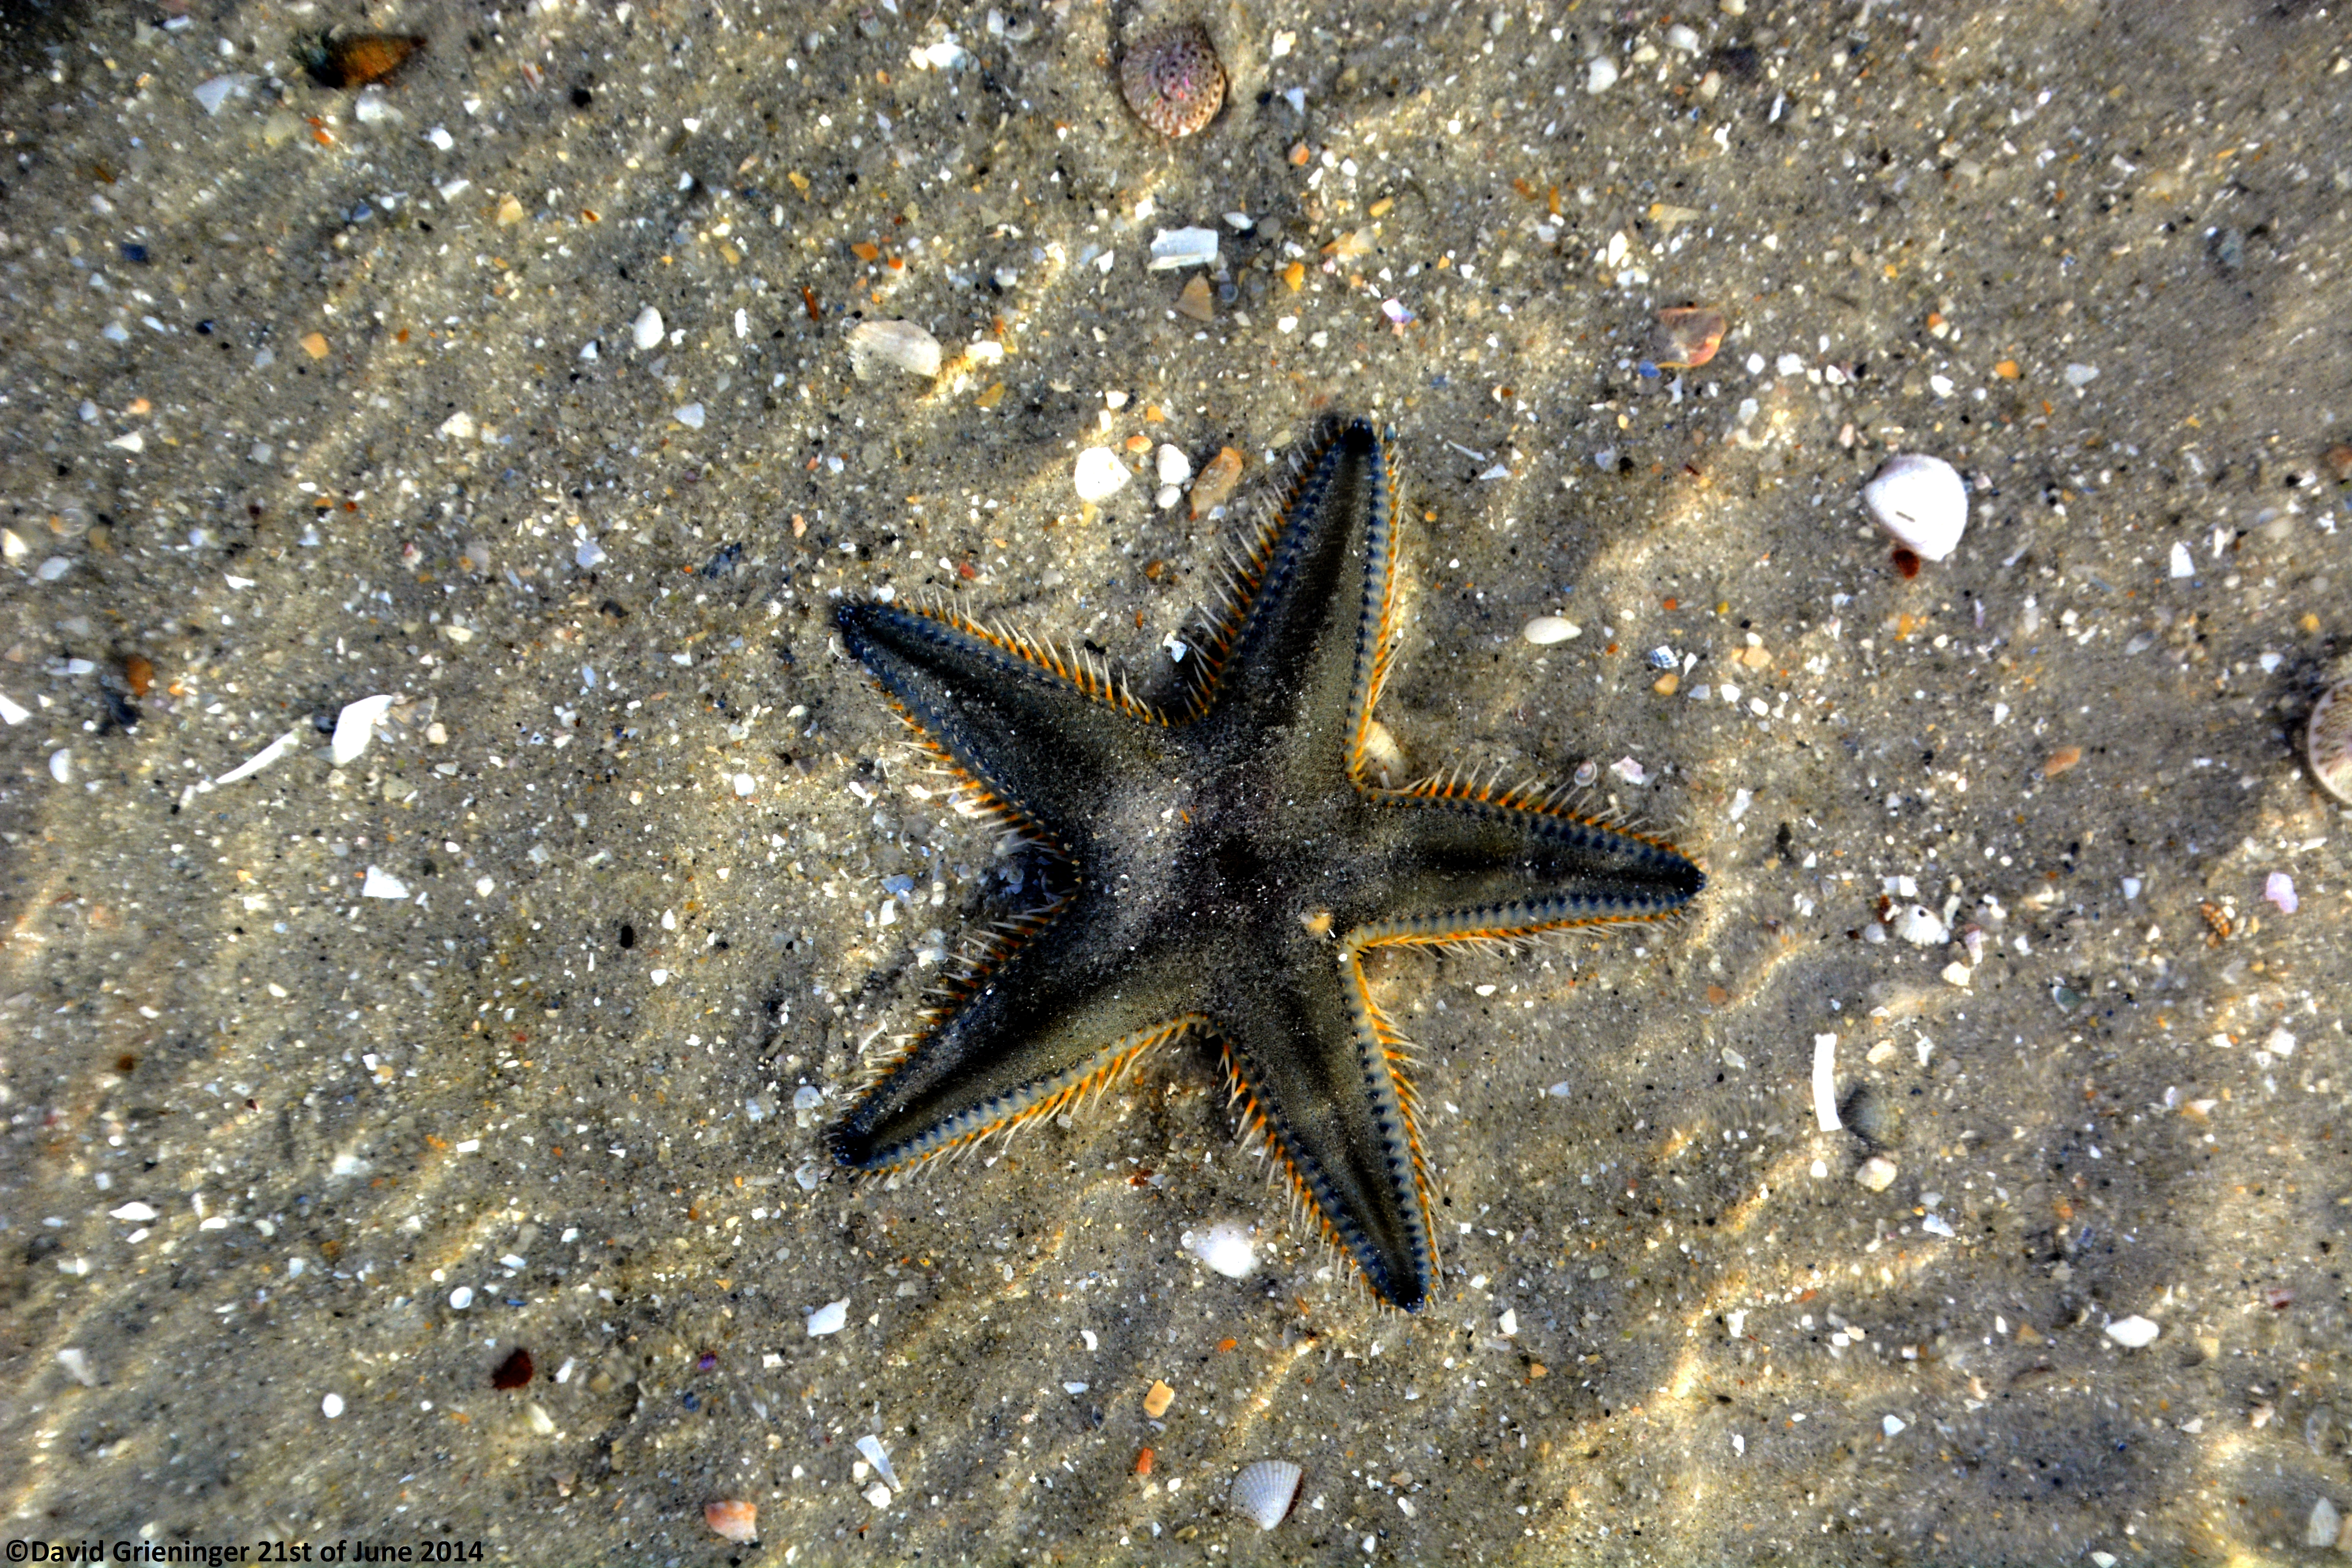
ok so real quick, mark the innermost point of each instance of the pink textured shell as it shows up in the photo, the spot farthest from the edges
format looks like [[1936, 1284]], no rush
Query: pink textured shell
[[1172, 81]]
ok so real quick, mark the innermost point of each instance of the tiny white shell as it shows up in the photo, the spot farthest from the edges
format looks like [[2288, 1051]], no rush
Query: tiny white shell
[[874, 346], [1099, 475], [1545, 630], [2133, 1333], [1922, 501], [2328, 741], [1263, 1491]]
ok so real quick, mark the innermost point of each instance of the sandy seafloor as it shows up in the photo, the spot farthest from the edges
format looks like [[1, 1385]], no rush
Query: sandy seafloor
[[1673, 1327]]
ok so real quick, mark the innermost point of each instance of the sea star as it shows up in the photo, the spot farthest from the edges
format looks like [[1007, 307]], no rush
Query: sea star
[[1233, 859]]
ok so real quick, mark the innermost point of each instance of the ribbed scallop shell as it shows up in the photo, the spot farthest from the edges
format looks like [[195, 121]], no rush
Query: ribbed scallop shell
[[1265, 1490], [1172, 81], [2328, 741]]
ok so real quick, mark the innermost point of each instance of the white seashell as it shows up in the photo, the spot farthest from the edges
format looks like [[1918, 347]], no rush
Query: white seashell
[[1175, 247], [1545, 630], [878, 1457], [1100, 475], [1263, 1491], [901, 345], [1922, 927], [1223, 1248], [2133, 1333], [648, 329], [1175, 467], [2328, 741], [1922, 501]]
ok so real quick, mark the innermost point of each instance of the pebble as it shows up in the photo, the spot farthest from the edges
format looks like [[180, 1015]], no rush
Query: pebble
[[2133, 1333], [461, 1298], [1174, 466], [11, 713], [55, 567], [1195, 303], [1892, 1426], [2324, 1524], [1217, 481], [874, 346], [1099, 474], [212, 94], [589, 555], [829, 1319], [1600, 74], [1546, 630], [688, 414], [648, 332], [61, 765], [2279, 889], [2180, 564], [1157, 1401], [133, 1212], [1921, 501], [1877, 1173], [355, 727], [2326, 743], [331, 1406], [877, 1496]]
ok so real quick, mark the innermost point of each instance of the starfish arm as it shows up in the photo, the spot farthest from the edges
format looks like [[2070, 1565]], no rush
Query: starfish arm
[[1469, 863], [1062, 1014], [1030, 722], [1306, 642], [1316, 1067]]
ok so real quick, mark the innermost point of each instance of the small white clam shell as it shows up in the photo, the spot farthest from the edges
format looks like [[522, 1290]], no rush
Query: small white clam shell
[[1263, 1491], [2328, 741], [1920, 500]]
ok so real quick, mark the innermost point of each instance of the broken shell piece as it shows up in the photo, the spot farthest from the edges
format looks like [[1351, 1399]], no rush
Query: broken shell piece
[[1921, 501], [878, 1457], [1177, 248], [736, 1521], [1877, 1173], [355, 727], [874, 346], [2327, 742], [1687, 337], [1157, 1401], [1265, 1490]]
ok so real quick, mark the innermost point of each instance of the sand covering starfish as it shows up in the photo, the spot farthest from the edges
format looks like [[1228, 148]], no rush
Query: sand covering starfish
[[1231, 859]]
